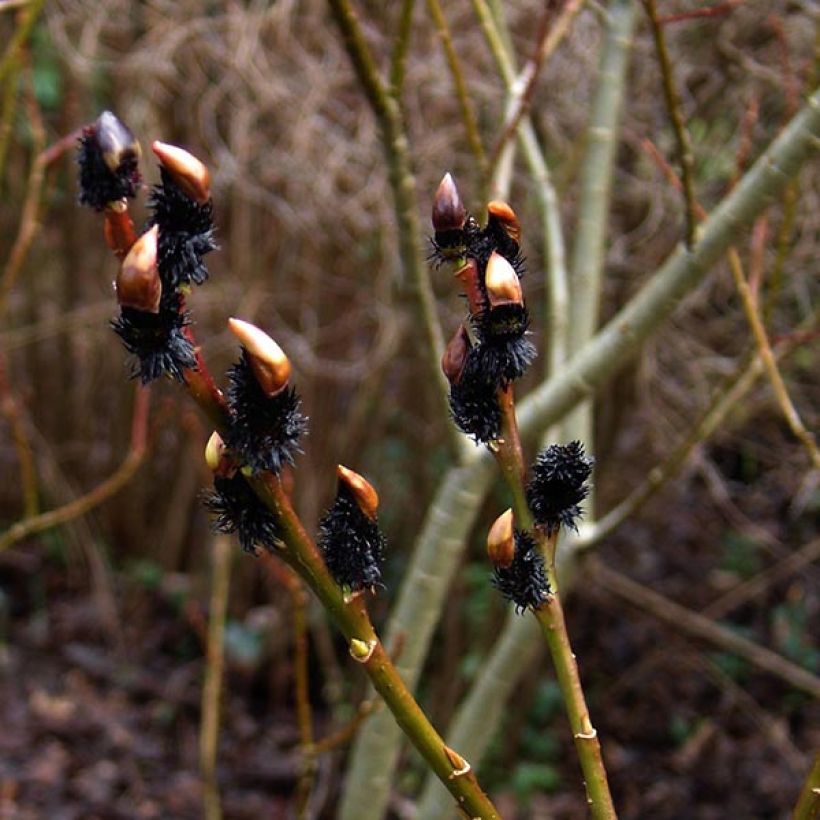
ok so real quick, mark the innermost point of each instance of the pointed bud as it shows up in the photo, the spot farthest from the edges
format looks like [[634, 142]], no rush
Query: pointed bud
[[189, 173], [269, 362], [361, 651], [501, 541], [502, 213], [455, 355], [116, 141], [460, 765], [469, 278], [138, 284], [214, 451], [361, 489], [502, 283], [448, 209]]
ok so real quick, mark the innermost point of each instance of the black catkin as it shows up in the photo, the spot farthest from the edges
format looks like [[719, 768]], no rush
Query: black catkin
[[98, 184], [559, 485], [186, 234], [237, 509], [157, 340], [524, 581], [352, 543], [473, 400], [264, 431]]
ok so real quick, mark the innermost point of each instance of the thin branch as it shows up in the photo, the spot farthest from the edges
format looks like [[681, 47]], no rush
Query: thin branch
[[468, 116], [102, 492], [550, 36], [347, 732], [696, 625], [673, 105], [808, 804], [403, 184], [398, 60], [696, 14], [765, 351], [19, 38], [221, 555]]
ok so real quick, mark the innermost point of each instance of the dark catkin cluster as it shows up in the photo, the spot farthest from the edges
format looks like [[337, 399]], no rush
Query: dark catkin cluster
[[98, 184], [265, 430], [186, 233], [352, 543], [524, 581], [501, 352], [473, 402], [157, 340], [237, 509], [559, 485]]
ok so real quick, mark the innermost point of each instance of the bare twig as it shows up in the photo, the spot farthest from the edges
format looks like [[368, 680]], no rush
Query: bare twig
[[808, 804], [102, 492], [696, 14], [787, 407], [550, 36], [468, 116], [673, 105], [398, 59], [692, 623], [222, 553]]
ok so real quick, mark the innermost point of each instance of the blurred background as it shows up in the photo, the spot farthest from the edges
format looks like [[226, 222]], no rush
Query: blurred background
[[103, 619]]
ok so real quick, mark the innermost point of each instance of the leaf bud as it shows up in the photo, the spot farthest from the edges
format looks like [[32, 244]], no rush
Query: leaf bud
[[116, 142], [505, 217], [455, 355], [448, 209]]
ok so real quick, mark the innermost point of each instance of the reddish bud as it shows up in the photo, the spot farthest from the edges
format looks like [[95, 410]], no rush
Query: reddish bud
[[269, 362], [455, 355], [448, 209], [361, 489], [189, 173], [502, 283], [502, 213], [138, 284], [468, 276], [501, 541]]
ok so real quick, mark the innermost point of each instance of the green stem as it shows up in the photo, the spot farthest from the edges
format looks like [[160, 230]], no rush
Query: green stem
[[808, 804]]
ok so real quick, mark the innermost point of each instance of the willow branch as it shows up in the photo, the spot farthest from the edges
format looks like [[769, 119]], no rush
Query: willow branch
[[102, 492], [673, 106], [767, 356], [214, 674], [398, 59], [403, 184], [808, 804], [698, 626], [465, 104], [19, 38]]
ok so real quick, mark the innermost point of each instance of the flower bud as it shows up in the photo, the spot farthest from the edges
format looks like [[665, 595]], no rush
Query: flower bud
[[116, 142], [271, 366], [362, 490], [448, 209], [138, 284], [502, 283], [215, 453], [189, 173], [500, 541], [505, 216], [455, 355]]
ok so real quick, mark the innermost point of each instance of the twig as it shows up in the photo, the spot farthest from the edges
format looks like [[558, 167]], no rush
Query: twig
[[403, 184], [692, 623], [221, 556], [695, 14], [673, 105], [726, 399], [19, 37], [25, 456], [398, 59], [102, 492], [765, 351], [468, 116], [550, 36], [347, 732], [808, 804]]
